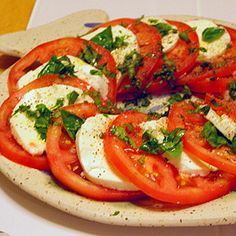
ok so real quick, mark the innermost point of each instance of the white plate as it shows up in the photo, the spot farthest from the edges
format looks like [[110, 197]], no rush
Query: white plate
[[41, 185]]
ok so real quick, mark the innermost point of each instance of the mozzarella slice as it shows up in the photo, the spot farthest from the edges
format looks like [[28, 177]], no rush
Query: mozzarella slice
[[223, 123], [168, 41], [82, 71], [185, 164], [214, 48], [92, 157], [23, 128], [119, 54]]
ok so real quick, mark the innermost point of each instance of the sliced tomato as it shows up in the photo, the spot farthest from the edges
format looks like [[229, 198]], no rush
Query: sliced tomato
[[194, 143], [61, 47], [222, 106], [155, 176], [149, 42], [183, 56], [8, 146], [215, 75], [65, 164]]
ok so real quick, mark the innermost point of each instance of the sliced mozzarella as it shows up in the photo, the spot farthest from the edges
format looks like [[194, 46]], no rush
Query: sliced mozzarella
[[168, 41], [82, 71], [214, 48], [119, 54], [223, 123], [185, 164], [92, 157], [23, 128]]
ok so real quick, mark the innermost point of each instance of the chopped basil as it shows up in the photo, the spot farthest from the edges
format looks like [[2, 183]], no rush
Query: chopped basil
[[59, 103], [105, 39], [120, 133], [89, 55], [232, 90], [213, 136], [163, 28], [106, 72], [58, 65], [201, 109], [141, 101], [171, 145], [72, 97], [131, 62], [41, 117], [211, 34], [178, 97], [71, 122], [115, 213], [184, 36], [96, 72]]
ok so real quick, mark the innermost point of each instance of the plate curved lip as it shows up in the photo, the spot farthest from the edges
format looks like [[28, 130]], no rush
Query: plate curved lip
[[40, 185]]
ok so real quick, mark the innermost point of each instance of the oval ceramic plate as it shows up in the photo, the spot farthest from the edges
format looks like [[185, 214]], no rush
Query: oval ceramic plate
[[42, 186]]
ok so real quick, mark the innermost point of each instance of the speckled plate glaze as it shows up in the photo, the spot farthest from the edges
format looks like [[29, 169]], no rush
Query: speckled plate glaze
[[42, 186]]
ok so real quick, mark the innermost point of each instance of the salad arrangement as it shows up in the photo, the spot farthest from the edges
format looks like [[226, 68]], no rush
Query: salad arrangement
[[134, 108]]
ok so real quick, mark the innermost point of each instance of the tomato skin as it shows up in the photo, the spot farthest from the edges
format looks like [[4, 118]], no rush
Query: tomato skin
[[157, 178], [194, 144], [150, 49], [216, 78], [61, 47], [61, 160], [180, 55], [8, 146]]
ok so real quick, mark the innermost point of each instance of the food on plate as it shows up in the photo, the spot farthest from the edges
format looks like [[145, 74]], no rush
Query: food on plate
[[121, 112]]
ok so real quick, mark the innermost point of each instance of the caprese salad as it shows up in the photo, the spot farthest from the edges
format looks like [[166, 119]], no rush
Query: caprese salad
[[134, 108]]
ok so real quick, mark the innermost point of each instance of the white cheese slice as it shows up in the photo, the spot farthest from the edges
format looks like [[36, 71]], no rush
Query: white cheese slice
[[223, 123], [82, 71], [92, 157], [168, 41], [23, 128], [185, 164], [119, 54], [214, 48]]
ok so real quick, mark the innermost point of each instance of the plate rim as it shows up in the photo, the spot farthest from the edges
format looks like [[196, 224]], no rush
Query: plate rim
[[133, 215]]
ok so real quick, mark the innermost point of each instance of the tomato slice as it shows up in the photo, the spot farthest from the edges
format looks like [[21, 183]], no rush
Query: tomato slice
[[8, 146], [194, 143], [61, 47], [66, 168], [155, 176], [183, 56], [215, 75], [149, 42]]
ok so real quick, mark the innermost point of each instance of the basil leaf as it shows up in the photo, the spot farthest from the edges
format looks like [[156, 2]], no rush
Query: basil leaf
[[163, 28], [120, 133], [89, 55], [96, 72], [213, 136], [184, 36], [72, 97], [211, 34], [61, 66], [178, 97], [171, 145], [232, 90], [104, 39], [71, 122]]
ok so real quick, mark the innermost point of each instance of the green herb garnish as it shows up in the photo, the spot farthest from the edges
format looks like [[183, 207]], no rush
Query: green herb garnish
[[171, 144], [211, 34], [232, 90], [72, 97], [90, 56], [71, 122], [96, 72], [178, 97], [163, 28], [121, 133], [58, 65]]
